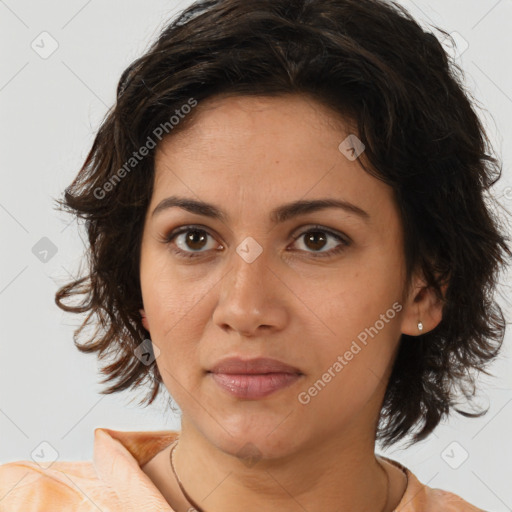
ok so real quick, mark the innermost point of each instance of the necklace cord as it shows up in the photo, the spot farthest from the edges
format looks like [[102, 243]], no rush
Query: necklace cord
[[199, 509]]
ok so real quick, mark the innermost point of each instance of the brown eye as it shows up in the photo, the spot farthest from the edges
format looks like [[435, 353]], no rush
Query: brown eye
[[317, 238], [190, 241], [195, 239]]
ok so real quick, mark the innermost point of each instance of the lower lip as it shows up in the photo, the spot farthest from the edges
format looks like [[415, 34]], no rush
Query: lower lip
[[254, 386]]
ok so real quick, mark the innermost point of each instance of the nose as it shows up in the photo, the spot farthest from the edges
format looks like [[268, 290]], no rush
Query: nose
[[252, 298]]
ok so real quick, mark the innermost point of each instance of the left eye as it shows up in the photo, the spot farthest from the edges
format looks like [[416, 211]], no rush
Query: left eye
[[195, 239], [317, 238]]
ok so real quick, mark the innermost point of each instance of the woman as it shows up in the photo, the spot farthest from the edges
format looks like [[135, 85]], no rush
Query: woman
[[287, 229]]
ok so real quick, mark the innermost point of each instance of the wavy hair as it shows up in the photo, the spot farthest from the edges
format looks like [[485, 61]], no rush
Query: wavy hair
[[368, 61]]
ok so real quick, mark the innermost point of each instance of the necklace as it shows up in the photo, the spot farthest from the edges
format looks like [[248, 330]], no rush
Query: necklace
[[199, 509]]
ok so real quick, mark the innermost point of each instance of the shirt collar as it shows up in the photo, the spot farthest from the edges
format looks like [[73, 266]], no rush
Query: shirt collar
[[119, 455]]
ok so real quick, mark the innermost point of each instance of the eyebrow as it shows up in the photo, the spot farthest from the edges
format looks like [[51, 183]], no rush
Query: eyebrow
[[277, 215]]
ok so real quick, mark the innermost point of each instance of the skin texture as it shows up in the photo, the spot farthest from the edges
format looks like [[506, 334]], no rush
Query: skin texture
[[247, 156]]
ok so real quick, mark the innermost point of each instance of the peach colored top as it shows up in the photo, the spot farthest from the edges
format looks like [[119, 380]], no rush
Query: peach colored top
[[114, 482]]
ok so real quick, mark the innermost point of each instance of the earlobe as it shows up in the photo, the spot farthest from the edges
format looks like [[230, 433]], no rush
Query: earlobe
[[144, 319], [423, 311]]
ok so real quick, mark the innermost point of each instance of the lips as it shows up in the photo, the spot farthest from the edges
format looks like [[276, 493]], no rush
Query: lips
[[257, 366], [253, 379]]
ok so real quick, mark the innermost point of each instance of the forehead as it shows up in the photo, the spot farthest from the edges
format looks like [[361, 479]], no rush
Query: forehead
[[264, 150], [254, 121]]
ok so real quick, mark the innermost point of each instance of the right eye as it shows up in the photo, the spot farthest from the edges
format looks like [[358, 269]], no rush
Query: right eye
[[189, 241]]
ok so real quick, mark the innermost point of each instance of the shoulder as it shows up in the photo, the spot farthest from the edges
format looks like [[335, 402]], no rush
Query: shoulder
[[418, 497], [428, 499], [439, 499], [27, 486]]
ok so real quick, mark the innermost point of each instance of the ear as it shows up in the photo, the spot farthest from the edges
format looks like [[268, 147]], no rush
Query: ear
[[423, 306], [144, 319]]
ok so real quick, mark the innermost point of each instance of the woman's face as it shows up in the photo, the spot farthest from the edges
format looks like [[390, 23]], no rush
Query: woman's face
[[255, 284]]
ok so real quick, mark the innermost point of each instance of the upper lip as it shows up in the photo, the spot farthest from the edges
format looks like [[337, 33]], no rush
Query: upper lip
[[259, 365]]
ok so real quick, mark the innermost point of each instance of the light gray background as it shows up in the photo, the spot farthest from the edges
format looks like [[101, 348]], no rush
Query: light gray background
[[50, 110]]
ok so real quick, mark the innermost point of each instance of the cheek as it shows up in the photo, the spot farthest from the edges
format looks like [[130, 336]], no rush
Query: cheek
[[177, 312], [360, 329], [351, 300], [169, 294], [350, 372]]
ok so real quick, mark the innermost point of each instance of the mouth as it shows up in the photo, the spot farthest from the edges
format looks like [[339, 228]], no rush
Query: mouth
[[254, 386], [253, 378]]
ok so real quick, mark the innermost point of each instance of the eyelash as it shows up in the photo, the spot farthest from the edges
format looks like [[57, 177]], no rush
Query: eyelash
[[190, 255]]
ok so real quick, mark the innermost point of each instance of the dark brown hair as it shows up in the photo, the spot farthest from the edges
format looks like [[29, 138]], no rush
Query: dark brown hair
[[368, 61]]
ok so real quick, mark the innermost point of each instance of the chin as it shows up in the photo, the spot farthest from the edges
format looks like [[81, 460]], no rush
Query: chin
[[257, 437]]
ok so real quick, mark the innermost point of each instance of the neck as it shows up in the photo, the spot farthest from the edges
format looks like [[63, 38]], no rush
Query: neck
[[339, 473]]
